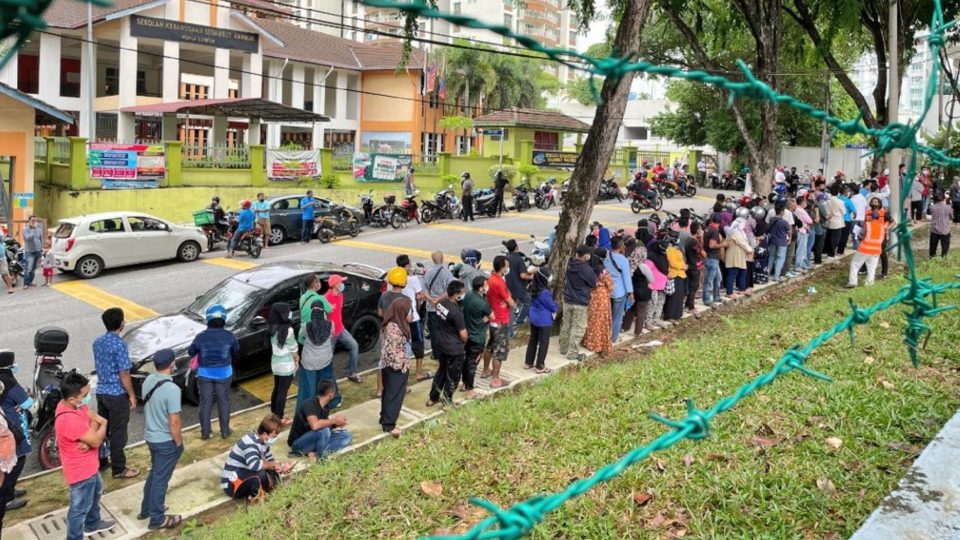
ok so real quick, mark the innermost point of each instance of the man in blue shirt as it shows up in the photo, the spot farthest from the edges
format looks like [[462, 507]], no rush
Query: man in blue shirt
[[245, 222], [115, 397], [619, 268], [308, 207], [262, 209], [214, 348], [850, 212], [14, 402]]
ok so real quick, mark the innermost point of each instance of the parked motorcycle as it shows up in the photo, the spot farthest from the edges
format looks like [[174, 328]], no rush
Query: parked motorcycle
[[521, 198], [15, 258], [545, 196], [366, 203], [444, 205], [483, 202], [49, 343], [382, 215], [609, 190], [731, 181], [345, 224], [406, 212], [563, 192]]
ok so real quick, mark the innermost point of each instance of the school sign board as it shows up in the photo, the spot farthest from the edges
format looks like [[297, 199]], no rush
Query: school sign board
[[381, 167], [124, 166], [170, 30], [293, 164], [543, 158]]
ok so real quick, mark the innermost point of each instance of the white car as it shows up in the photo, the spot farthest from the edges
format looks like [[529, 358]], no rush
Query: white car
[[89, 244]]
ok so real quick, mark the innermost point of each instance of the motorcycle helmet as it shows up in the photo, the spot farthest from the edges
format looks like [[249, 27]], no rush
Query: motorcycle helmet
[[730, 207], [742, 212], [745, 200], [470, 256], [215, 199], [655, 218], [397, 277], [245, 204], [759, 213], [465, 175], [216, 312]]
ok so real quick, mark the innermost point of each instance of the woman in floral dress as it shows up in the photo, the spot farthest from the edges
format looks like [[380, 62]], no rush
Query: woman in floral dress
[[394, 363], [599, 315]]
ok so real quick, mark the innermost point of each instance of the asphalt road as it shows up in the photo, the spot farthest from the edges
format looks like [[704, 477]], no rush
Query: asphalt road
[[168, 287]]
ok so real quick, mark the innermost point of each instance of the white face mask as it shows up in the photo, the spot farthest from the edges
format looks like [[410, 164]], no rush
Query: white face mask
[[271, 441], [461, 297]]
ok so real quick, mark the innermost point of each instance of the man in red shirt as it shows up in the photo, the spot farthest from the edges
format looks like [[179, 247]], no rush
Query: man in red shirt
[[80, 432], [341, 336], [498, 296]]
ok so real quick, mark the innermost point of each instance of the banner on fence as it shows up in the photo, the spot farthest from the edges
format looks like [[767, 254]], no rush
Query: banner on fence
[[126, 166], [293, 164], [542, 158], [381, 167]]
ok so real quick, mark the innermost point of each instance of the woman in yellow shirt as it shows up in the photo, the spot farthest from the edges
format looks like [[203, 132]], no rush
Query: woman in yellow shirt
[[677, 273]]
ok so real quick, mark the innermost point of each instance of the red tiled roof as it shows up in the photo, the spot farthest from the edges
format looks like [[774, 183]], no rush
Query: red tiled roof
[[73, 13], [386, 54], [530, 118]]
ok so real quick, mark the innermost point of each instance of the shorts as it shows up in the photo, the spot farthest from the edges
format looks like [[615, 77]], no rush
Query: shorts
[[48, 272], [499, 342]]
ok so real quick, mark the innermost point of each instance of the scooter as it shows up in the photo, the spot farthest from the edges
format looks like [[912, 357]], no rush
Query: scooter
[[250, 241], [640, 202], [382, 215], [541, 252], [521, 198], [443, 205], [563, 192], [731, 181], [49, 343], [545, 197], [672, 188], [406, 212], [609, 190], [366, 203], [327, 228], [15, 258]]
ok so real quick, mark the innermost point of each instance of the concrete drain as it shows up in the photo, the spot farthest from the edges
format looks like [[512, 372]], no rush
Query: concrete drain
[[54, 527]]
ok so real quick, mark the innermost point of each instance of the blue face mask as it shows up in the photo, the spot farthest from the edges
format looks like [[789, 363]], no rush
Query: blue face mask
[[864, 191], [87, 398], [271, 441], [14, 368]]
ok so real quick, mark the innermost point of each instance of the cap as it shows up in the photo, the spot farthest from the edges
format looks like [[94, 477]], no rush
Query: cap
[[335, 280], [163, 358], [6, 358], [397, 277], [584, 250], [216, 312], [511, 244]]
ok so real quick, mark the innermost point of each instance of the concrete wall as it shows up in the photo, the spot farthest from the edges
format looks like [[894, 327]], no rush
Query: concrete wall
[[848, 160], [16, 140]]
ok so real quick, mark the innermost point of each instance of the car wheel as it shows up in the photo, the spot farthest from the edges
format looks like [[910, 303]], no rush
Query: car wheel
[[89, 267], [188, 251], [191, 394], [366, 330], [277, 235]]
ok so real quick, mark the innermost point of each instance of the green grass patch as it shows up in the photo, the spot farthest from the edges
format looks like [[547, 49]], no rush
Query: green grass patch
[[766, 472]]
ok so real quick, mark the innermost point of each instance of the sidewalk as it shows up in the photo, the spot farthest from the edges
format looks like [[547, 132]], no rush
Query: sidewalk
[[194, 488]]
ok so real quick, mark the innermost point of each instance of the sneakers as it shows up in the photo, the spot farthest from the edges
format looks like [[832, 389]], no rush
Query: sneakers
[[850, 286], [105, 525]]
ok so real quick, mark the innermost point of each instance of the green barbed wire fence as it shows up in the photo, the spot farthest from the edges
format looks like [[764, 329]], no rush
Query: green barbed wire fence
[[920, 296]]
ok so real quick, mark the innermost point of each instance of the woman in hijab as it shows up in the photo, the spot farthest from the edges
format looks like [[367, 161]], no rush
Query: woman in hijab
[[284, 359], [643, 233], [677, 274], [599, 312], [659, 266], [394, 363], [736, 257], [642, 277], [316, 360]]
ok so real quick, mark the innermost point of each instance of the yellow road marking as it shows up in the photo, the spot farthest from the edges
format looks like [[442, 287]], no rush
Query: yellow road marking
[[544, 217], [236, 264], [101, 299], [478, 230], [262, 387], [422, 253], [702, 198]]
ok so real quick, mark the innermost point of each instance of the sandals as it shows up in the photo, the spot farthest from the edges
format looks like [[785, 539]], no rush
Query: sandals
[[169, 522], [142, 517], [426, 377], [527, 366], [431, 403], [543, 371], [127, 474], [502, 384], [354, 378], [395, 433]]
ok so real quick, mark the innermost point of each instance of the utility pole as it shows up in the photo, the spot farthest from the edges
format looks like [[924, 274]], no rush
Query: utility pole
[[825, 135], [91, 77], [893, 106]]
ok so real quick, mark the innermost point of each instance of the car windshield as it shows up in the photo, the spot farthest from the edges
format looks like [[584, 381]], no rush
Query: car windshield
[[235, 296]]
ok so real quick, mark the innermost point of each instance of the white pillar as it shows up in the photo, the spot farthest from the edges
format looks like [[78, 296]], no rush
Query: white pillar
[[221, 73], [128, 82], [171, 71], [49, 66], [251, 80], [297, 86], [318, 100], [86, 72], [8, 75], [168, 127], [339, 80], [275, 94], [253, 132]]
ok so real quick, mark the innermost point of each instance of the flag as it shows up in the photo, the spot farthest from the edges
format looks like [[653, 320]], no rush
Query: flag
[[442, 89], [431, 79]]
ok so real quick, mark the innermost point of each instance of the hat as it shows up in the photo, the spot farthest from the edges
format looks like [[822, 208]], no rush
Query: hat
[[584, 250], [6, 358], [801, 192], [511, 245], [335, 280], [163, 358], [216, 312], [397, 277]]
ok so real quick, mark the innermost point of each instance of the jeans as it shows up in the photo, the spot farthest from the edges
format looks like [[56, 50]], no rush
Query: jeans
[[537, 346], [210, 390], [518, 316], [467, 203], [278, 398], [84, 511], [736, 276], [711, 282], [163, 460], [322, 442], [235, 239], [776, 259], [307, 385], [845, 234], [346, 341], [811, 240], [116, 410], [618, 305], [31, 260], [306, 230], [832, 241], [803, 253]]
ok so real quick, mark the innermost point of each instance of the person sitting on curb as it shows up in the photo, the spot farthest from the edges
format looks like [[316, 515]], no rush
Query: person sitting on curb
[[251, 471], [314, 433]]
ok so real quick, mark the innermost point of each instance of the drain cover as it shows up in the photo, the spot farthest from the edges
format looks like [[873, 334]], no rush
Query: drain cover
[[54, 527]]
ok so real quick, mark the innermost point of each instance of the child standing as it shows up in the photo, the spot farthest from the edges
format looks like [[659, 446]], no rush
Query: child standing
[[48, 263], [542, 312]]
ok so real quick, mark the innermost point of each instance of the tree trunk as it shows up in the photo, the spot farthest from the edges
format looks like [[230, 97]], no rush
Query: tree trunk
[[597, 150], [769, 17]]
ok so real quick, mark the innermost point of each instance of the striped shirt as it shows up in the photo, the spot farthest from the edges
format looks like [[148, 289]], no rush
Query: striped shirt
[[941, 214], [248, 454]]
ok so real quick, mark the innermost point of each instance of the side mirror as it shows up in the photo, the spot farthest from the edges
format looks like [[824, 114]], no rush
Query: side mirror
[[258, 322]]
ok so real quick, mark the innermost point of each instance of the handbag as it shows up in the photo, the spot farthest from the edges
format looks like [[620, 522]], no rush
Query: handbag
[[670, 288]]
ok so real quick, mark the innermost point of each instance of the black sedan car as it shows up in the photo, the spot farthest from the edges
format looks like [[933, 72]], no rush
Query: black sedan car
[[247, 297], [286, 215]]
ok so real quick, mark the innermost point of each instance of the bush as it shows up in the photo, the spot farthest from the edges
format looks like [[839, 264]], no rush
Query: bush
[[508, 170], [330, 181], [529, 172], [450, 179]]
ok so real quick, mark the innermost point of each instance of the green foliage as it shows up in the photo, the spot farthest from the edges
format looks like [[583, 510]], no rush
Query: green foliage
[[508, 170], [455, 122], [528, 172], [450, 179], [502, 81], [579, 90], [329, 181]]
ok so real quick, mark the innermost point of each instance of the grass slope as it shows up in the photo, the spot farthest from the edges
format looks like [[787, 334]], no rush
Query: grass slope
[[766, 472]]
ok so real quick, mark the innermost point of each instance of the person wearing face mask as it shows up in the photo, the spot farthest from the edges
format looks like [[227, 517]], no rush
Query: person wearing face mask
[[164, 439], [476, 315], [449, 342], [251, 471], [115, 396], [80, 432], [542, 312], [871, 245], [394, 363], [859, 200], [14, 402], [284, 359], [341, 336], [501, 302]]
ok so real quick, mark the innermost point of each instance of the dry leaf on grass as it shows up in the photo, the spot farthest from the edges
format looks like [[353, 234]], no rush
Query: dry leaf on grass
[[905, 447], [642, 498], [762, 442], [716, 457], [657, 521], [826, 485], [661, 465], [886, 384], [352, 513], [884, 324], [834, 443], [688, 460], [869, 360], [431, 489]]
